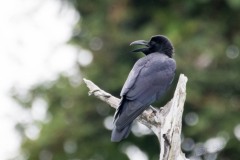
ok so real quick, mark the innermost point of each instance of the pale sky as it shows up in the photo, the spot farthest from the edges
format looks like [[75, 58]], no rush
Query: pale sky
[[33, 36]]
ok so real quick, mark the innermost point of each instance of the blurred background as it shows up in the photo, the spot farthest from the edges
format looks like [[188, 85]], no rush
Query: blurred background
[[48, 46]]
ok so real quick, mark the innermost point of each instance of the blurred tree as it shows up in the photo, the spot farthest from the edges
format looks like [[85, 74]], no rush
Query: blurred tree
[[206, 37]]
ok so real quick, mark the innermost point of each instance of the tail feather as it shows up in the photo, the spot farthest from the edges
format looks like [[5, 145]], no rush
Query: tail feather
[[129, 111], [119, 109], [118, 135], [125, 114]]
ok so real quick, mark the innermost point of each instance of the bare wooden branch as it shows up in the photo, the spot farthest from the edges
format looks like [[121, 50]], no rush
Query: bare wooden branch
[[166, 122]]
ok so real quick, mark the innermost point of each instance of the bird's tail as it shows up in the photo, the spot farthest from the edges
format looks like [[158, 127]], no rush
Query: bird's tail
[[119, 109], [118, 135], [123, 119]]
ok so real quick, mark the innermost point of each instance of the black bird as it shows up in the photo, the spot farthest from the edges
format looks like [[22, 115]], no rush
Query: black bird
[[148, 80]]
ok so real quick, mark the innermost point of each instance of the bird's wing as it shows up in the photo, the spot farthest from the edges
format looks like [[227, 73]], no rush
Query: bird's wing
[[147, 86], [132, 77], [148, 78]]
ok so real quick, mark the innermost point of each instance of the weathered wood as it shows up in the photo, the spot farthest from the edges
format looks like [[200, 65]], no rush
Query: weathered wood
[[166, 123]]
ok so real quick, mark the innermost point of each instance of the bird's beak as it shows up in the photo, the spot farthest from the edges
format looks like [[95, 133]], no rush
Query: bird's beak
[[140, 42]]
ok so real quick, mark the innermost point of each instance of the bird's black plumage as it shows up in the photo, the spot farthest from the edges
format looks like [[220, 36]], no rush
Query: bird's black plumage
[[148, 80]]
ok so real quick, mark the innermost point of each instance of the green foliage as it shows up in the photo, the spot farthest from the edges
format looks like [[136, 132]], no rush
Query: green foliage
[[206, 37]]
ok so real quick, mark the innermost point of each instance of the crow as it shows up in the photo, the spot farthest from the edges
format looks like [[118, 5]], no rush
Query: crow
[[148, 80]]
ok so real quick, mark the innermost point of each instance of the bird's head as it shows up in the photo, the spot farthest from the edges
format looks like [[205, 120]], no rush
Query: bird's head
[[157, 43]]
